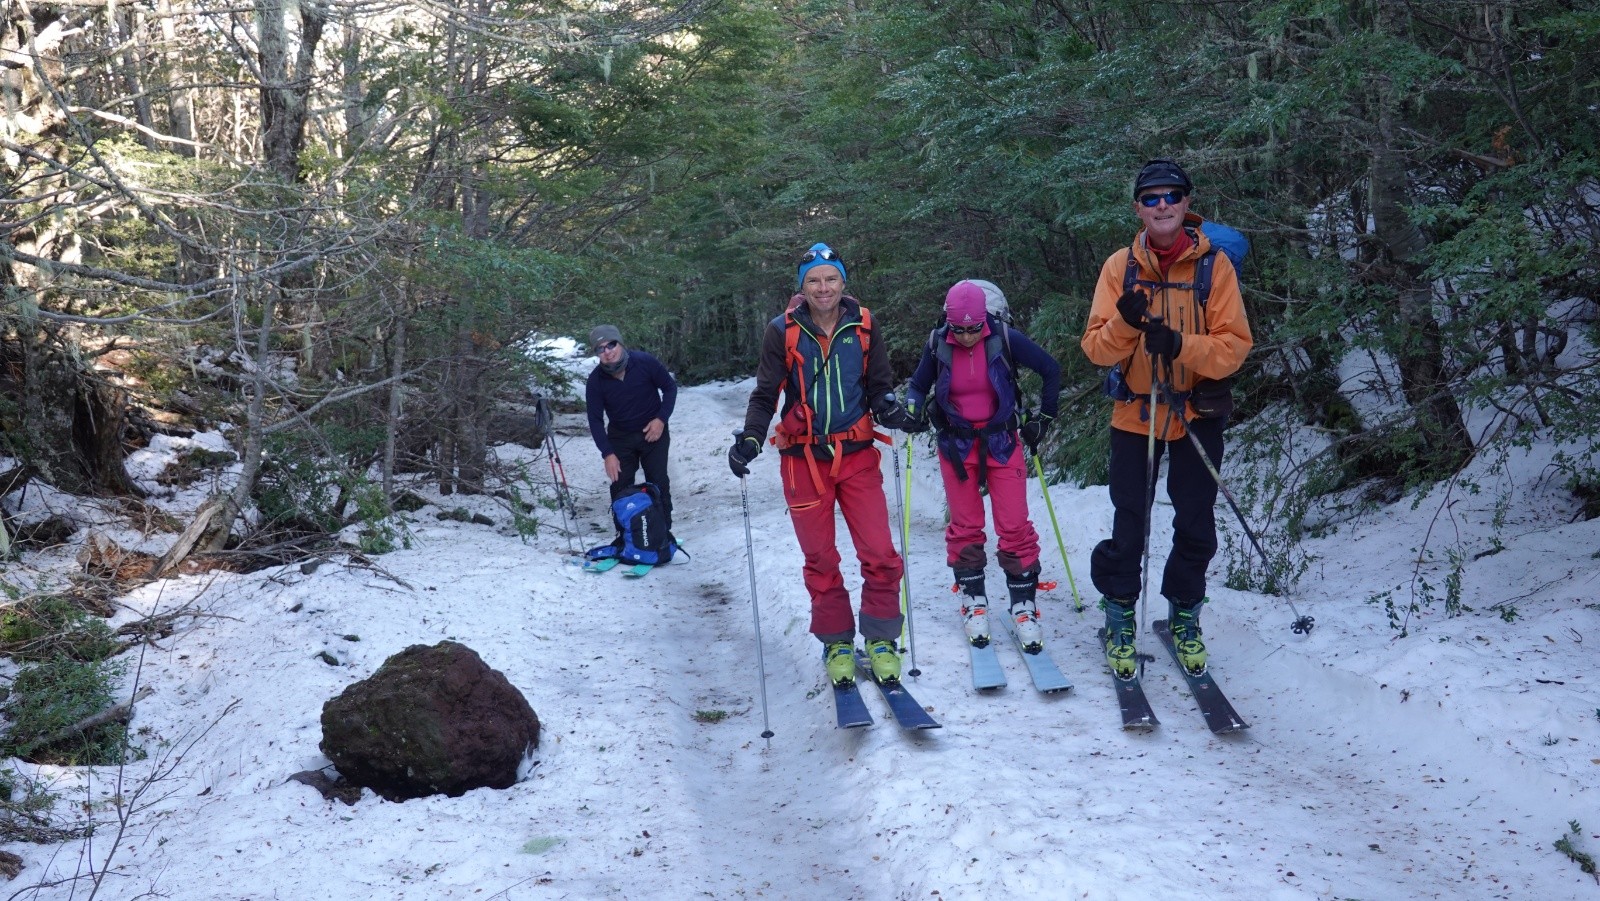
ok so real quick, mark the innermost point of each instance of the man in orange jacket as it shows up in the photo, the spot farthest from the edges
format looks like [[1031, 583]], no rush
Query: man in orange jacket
[[1148, 317]]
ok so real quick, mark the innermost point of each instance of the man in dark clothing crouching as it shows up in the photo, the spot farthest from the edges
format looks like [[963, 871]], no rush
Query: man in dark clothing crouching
[[629, 398]]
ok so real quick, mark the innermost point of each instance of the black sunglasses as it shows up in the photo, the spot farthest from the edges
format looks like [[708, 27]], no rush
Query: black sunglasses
[[1173, 198], [967, 329], [604, 346], [825, 254]]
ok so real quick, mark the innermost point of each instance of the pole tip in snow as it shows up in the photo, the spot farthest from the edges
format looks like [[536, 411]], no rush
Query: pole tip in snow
[[1303, 625]]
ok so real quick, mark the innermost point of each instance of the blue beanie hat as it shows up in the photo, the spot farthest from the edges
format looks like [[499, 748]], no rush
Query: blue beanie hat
[[820, 254]]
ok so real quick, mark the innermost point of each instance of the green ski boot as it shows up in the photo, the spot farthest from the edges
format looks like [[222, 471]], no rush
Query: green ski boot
[[885, 660], [840, 657], [1120, 653], [1186, 638]]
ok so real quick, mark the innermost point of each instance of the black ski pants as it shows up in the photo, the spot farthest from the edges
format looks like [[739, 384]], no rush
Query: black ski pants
[[1114, 565], [633, 452]]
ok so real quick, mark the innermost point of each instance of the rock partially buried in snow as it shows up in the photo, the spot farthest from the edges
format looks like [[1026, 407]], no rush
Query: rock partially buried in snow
[[431, 720]]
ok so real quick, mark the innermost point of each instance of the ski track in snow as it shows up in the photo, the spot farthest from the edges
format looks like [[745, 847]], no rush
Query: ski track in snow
[[1344, 787]]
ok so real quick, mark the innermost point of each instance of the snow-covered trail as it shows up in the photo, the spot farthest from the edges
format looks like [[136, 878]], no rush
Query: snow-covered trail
[[1343, 788], [1027, 793]]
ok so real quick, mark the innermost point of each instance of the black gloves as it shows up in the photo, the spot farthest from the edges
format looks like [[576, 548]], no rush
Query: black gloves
[[1159, 338], [746, 446], [1162, 341], [891, 415], [1033, 431], [1134, 306], [898, 418]]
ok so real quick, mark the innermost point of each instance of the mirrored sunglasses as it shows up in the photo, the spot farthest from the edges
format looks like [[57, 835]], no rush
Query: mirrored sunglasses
[[605, 346], [1173, 197], [967, 329], [825, 254]]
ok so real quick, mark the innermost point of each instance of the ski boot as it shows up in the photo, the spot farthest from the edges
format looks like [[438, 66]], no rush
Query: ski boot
[[885, 660], [1185, 623], [1025, 611], [1120, 653], [840, 658], [975, 612]]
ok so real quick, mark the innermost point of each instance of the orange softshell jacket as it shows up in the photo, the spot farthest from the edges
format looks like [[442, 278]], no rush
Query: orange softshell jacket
[[1216, 337]]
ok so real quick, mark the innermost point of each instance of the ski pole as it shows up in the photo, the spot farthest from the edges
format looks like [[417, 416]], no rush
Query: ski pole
[[1077, 601], [905, 561], [755, 607], [905, 535], [563, 496], [1149, 502], [1302, 624]]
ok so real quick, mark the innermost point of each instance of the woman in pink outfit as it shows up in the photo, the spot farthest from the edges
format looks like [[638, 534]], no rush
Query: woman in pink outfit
[[966, 385]]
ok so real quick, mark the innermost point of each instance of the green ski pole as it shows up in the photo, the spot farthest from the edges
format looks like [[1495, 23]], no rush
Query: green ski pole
[[1077, 601]]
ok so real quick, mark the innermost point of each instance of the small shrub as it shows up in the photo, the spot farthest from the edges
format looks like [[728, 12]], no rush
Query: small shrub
[[1397, 613], [381, 531], [295, 488], [710, 716], [1565, 846], [307, 478], [25, 803], [48, 626], [523, 517], [49, 697]]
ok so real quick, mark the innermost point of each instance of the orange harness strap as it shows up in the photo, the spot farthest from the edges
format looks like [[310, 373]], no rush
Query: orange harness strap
[[861, 430]]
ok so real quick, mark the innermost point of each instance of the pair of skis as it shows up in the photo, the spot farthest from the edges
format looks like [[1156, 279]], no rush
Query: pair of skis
[[1219, 715], [607, 564], [851, 707], [987, 674]]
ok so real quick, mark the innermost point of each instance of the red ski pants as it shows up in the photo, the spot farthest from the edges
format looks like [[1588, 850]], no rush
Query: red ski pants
[[1008, 496], [857, 489]]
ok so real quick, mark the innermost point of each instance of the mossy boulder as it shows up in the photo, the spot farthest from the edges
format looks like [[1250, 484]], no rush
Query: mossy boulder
[[432, 720]]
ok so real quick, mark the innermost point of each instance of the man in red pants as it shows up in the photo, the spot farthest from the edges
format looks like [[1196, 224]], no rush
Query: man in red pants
[[835, 376]]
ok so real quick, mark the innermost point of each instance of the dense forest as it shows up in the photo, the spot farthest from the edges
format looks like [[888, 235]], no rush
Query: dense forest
[[338, 225]]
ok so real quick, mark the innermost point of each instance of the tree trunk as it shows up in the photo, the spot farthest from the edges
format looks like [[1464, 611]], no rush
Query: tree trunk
[[284, 92], [126, 24], [472, 443], [73, 420], [255, 428], [397, 365], [356, 118], [180, 99], [1418, 348]]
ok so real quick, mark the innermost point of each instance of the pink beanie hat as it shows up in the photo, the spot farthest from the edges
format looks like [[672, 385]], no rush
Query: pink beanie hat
[[964, 305]]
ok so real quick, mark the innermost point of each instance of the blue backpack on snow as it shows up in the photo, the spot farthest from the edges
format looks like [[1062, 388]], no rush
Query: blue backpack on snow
[[642, 534]]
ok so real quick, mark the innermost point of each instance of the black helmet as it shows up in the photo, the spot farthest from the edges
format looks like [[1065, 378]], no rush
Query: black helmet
[[1162, 173]]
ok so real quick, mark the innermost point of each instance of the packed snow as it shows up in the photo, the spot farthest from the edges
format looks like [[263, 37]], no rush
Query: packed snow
[[1441, 764]]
